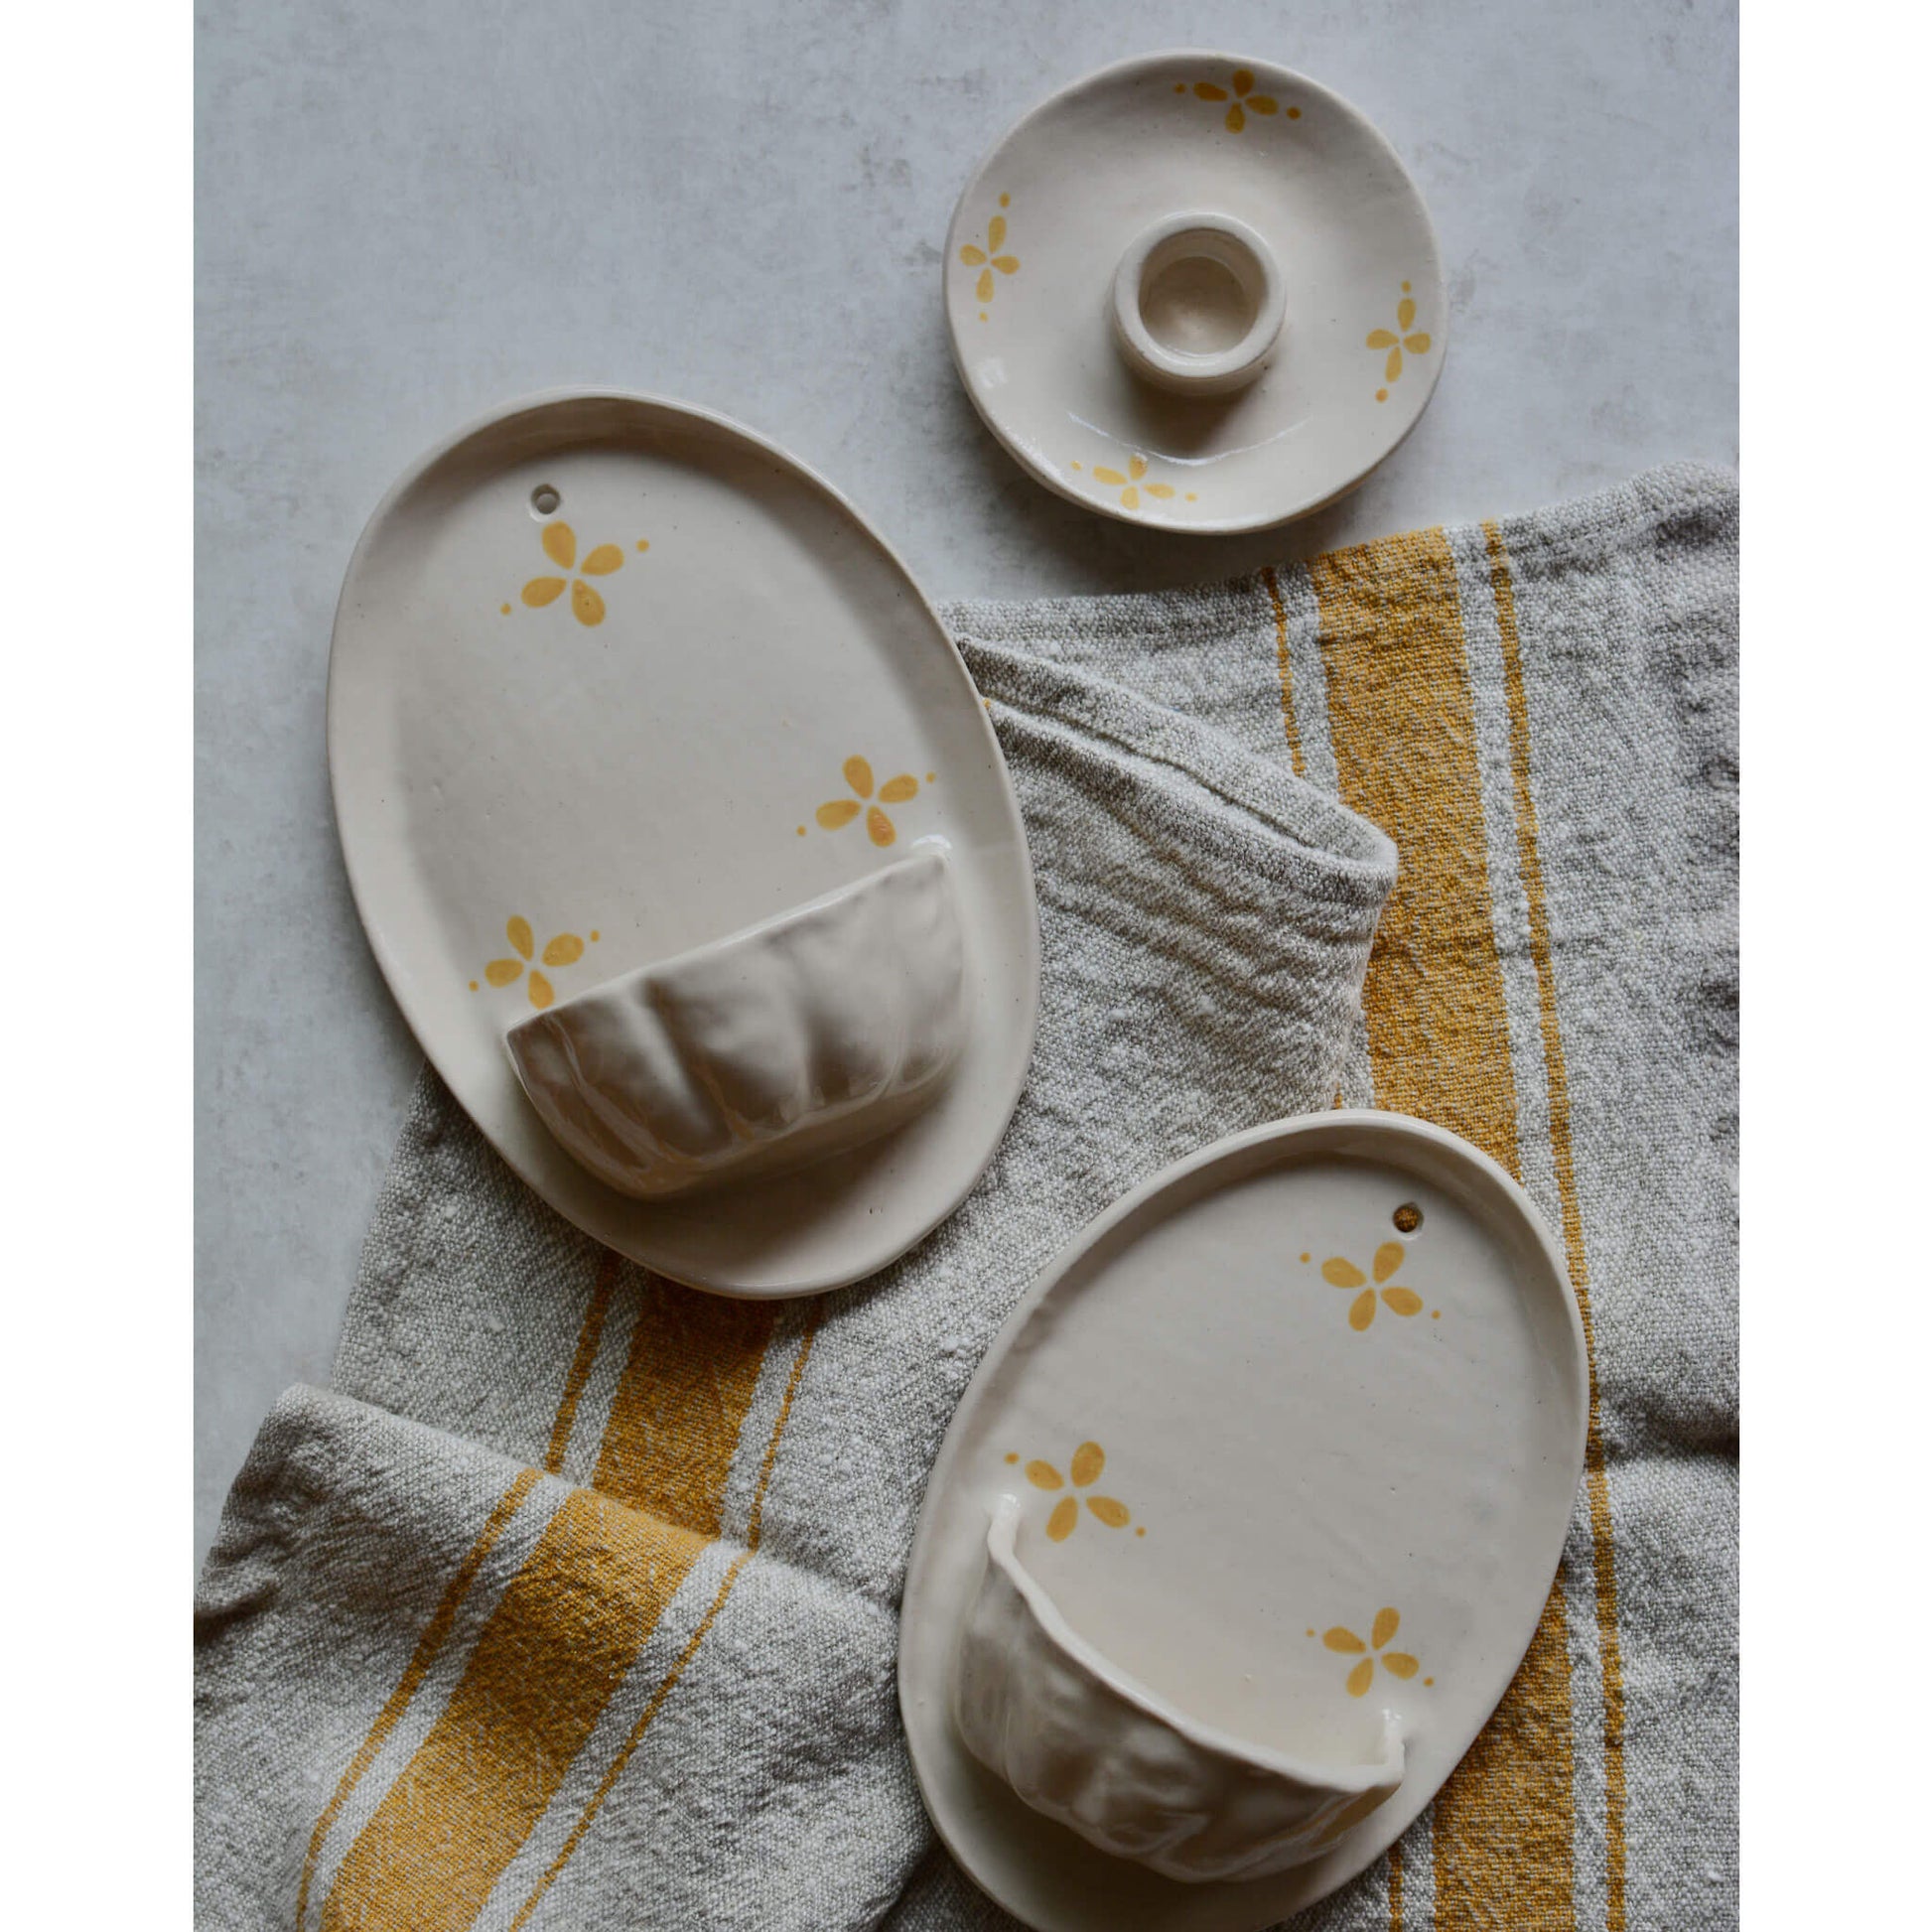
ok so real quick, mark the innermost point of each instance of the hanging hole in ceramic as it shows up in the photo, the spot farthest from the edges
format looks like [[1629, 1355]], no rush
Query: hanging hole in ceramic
[[1198, 304], [546, 499], [804, 1035]]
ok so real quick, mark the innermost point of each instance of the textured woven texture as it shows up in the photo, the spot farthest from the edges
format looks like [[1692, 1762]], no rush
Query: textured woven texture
[[573, 1601]]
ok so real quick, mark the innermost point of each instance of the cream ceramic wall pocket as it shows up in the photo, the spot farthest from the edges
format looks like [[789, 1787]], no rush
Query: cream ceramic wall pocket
[[683, 840], [1242, 1527]]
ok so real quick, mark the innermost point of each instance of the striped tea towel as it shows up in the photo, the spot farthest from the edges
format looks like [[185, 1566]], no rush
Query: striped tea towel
[[572, 1603]]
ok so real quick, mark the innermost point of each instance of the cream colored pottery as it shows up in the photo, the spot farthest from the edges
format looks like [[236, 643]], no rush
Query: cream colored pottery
[[1197, 291], [618, 691], [1242, 1528], [819, 1030]]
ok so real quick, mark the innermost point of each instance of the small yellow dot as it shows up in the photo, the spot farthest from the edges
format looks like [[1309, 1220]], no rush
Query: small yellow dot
[[1311, 1634], [1181, 87], [643, 543], [1305, 1257], [1293, 113], [506, 610], [1191, 497], [1139, 1532], [1006, 201], [1428, 1680], [932, 777], [473, 986], [1381, 395], [1405, 288], [982, 315], [1434, 1315], [595, 935], [1073, 466], [801, 831], [1012, 1456]]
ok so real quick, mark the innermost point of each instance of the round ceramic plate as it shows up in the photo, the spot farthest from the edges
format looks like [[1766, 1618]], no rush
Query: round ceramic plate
[[1049, 215], [1295, 1430], [611, 678]]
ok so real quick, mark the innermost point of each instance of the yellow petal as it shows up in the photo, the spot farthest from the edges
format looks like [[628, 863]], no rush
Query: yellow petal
[[1387, 1623], [1130, 498], [520, 936], [1403, 1301], [1417, 345], [1362, 1310], [973, 257], [1361, 1677], [1043, 1475], [1261, 104], [540, 591], [1207, 91], [1007, 264], [1163, 491], [841, 811], [1393, 368], [1400, 1662], [1388, 1258], [1112, 1513], [602, 560], [996, 233], [566, 949], [1341, 1274], [585, 603], [1059, 1525], [1103, 475], [1137, 467], [1088, 1461], [858, 775], [541, 991], [1243, 81], [983, 288], [896, 791], [1236, 120], [1346, 1641], [879, 827], [1380, 338], [1404, 313], [560, 544], [500, 972]]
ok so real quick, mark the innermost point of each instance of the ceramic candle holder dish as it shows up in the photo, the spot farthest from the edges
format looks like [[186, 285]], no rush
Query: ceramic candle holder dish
[[1195, 290], [1084, 1744], [816, 1030], [1242, 1527], [612, 679]]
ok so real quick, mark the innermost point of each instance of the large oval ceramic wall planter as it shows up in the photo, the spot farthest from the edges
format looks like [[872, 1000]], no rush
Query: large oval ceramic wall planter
[[683, 840], [1242, 1528]]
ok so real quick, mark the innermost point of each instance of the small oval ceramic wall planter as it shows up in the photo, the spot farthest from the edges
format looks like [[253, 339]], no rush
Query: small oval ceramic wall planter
[[683, 840], [1195, 291], [1242, 1528]]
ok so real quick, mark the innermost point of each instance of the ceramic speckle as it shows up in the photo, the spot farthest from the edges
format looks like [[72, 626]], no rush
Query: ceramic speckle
[[1242, 1527], [1195, 291]]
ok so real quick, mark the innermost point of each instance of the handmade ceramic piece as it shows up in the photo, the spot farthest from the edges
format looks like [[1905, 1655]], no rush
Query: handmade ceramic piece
[[1242, 1528], [614, 681], [819, 1030], [1195, 291]]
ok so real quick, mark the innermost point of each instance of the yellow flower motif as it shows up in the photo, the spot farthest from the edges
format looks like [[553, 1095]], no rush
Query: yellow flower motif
[[840, 812], [1246, 102], [566, 949], [1398, 1663], [1361, 1311], [560, 546], [1395, 341], [1088, 1461], [986, 259], [1130, 485]]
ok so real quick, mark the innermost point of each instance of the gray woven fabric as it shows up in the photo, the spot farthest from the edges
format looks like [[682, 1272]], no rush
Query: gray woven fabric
[[652, 1685]]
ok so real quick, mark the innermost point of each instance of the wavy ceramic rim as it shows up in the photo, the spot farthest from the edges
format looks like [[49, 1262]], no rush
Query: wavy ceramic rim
[[975, 1814], [1091, 82], [402, 982]]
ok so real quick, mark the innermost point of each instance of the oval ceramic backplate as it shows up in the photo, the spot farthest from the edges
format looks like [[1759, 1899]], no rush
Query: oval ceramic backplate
[[1045, 220], [1297, 1427], [568, 738]]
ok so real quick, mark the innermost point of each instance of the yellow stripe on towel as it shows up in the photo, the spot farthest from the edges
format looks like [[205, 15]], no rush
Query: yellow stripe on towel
[[1403, 725]]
